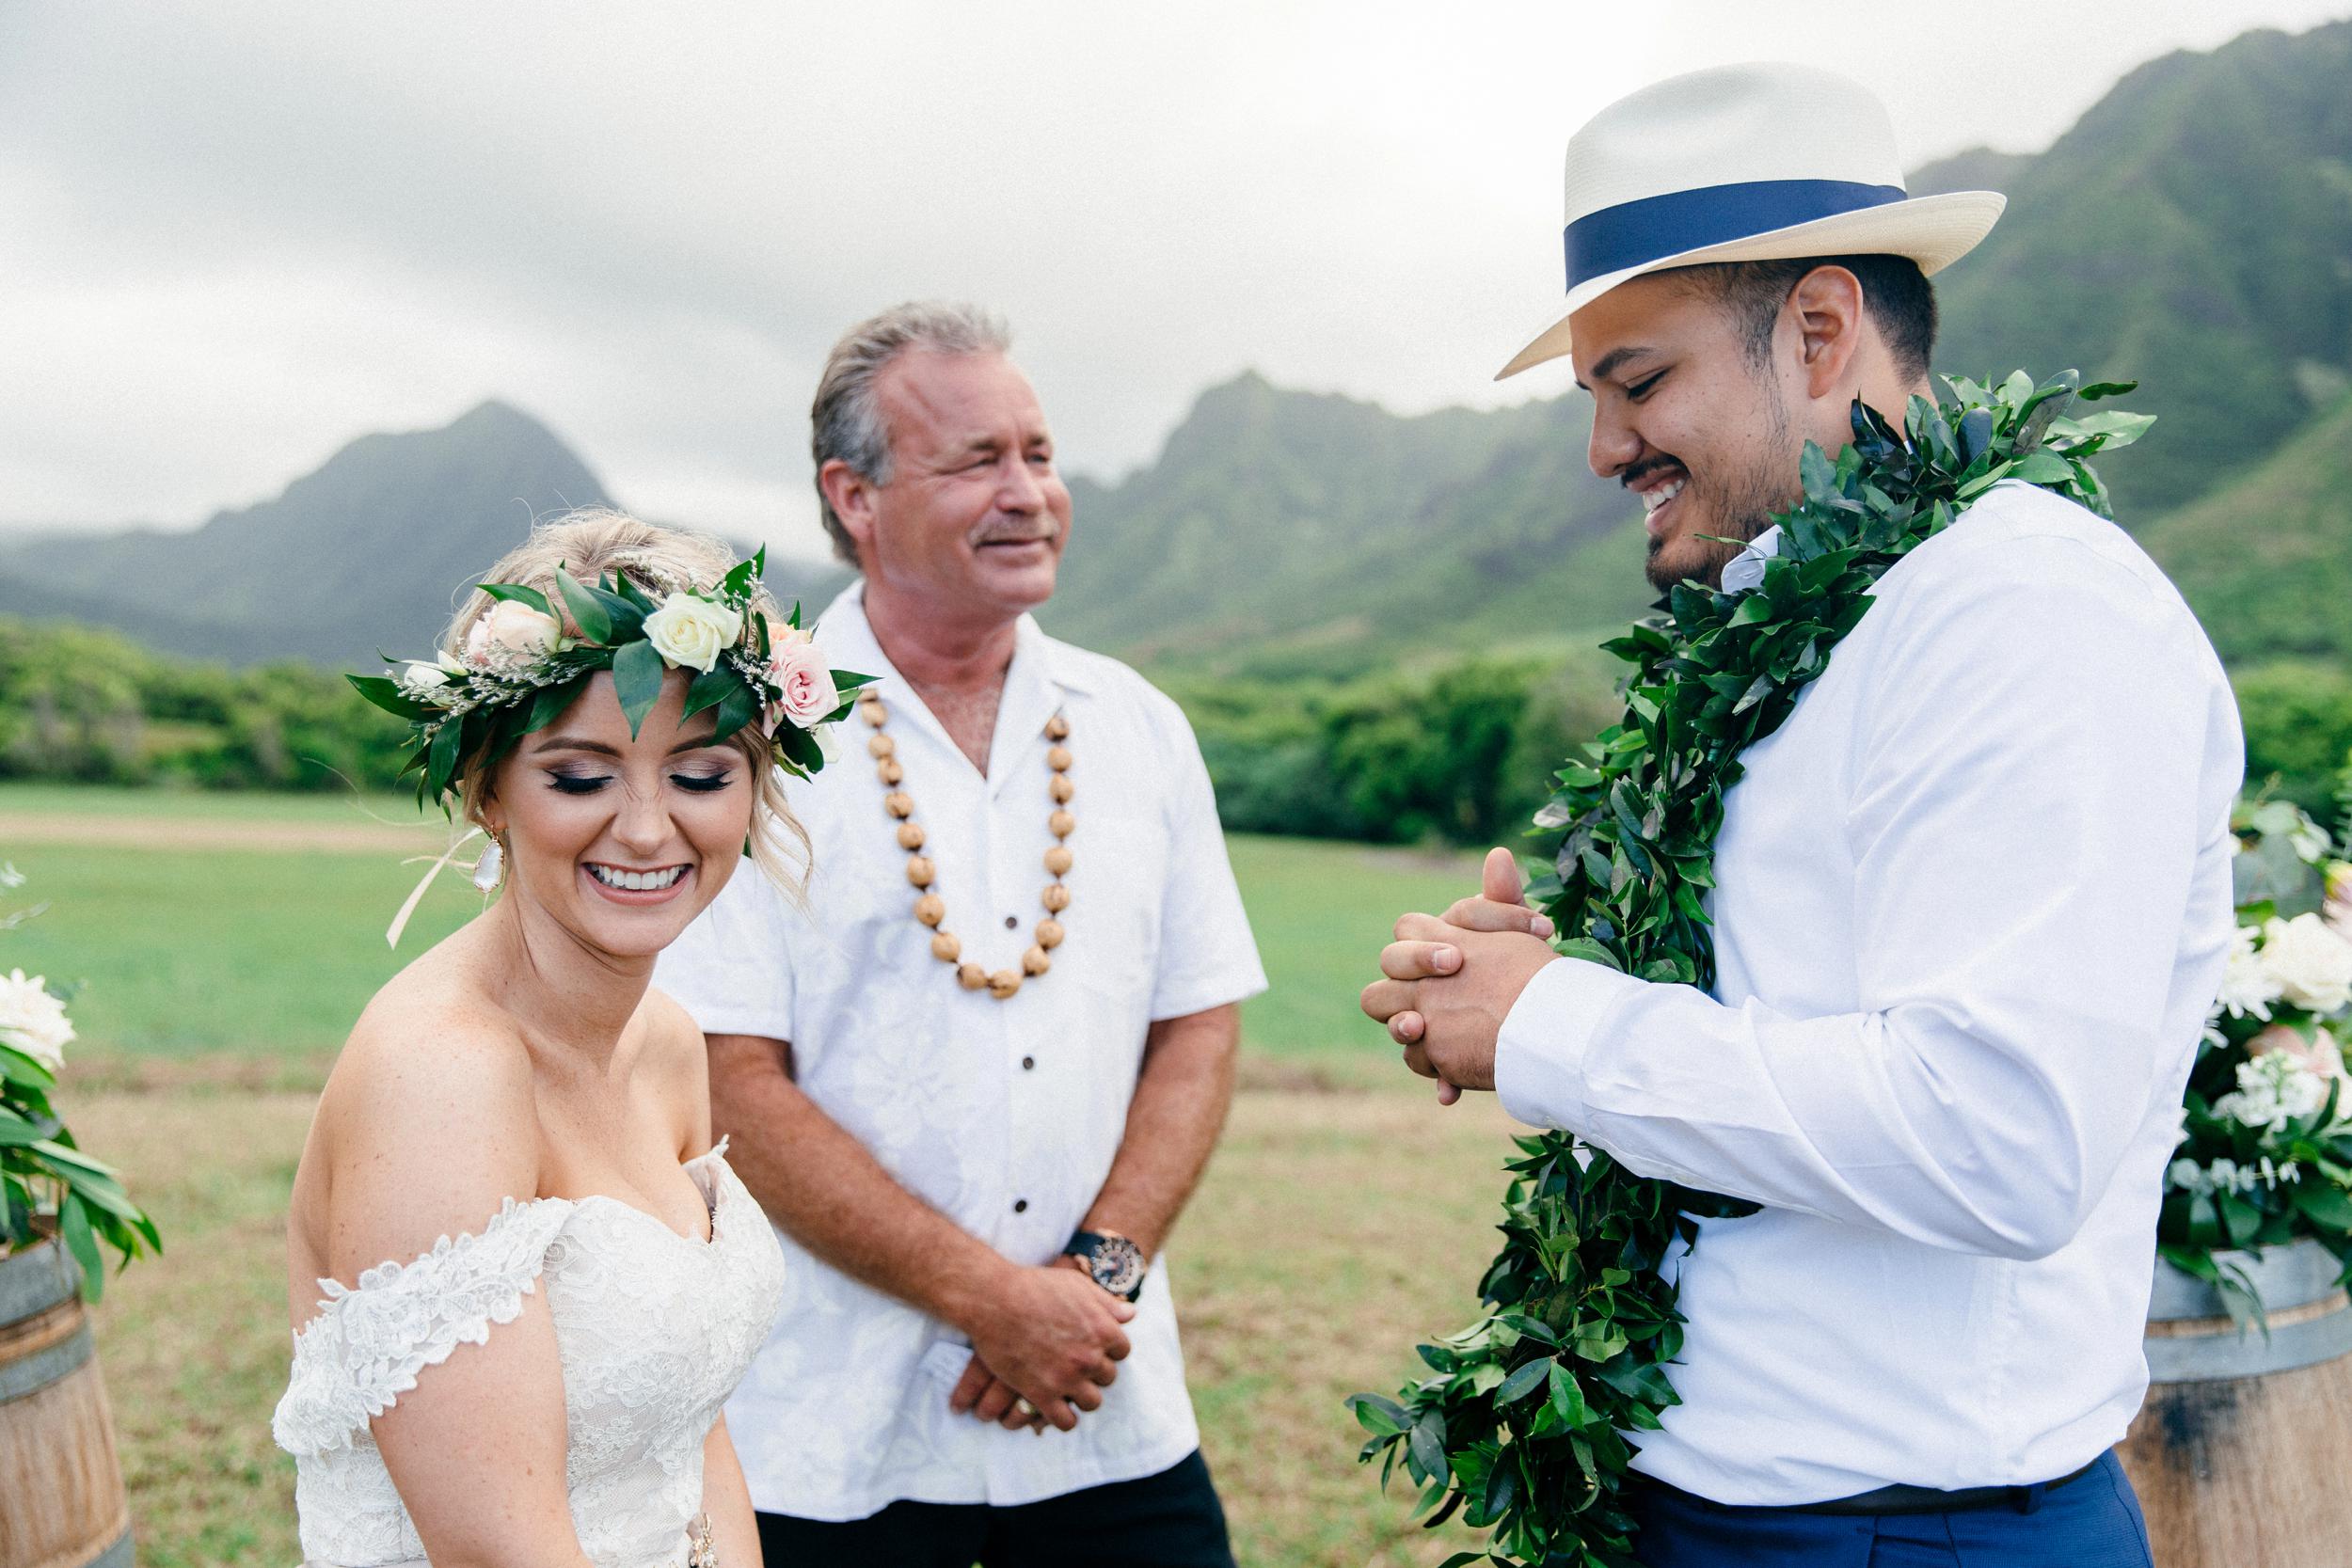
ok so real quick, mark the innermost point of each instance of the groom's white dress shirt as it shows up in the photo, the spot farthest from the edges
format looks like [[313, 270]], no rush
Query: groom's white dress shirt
[[1003, 1116], [1972, 902]]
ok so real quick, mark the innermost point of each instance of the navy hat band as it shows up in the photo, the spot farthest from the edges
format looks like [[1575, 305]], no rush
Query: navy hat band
[[1633, 233]]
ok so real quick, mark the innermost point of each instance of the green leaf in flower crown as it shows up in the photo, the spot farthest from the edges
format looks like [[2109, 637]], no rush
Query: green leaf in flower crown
[[737, 709], [441, 762], [637, 675], [386, 693], [708, 689], [516, 593], [588, 612], [1816, 472], [2043, 468], [849, 680], [549, 702], [2098, 390]]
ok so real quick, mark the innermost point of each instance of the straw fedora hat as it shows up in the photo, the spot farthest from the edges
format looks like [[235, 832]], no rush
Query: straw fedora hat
[[1744, 163]]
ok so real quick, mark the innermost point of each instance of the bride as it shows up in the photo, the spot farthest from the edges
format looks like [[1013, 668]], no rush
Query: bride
[[540, 1280]]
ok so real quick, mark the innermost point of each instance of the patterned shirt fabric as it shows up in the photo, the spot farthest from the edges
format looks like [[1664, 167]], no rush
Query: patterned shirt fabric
[[1004, 1116], [1972, 902]]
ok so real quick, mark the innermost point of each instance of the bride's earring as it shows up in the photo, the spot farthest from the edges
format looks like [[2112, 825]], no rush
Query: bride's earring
[[489, 872]]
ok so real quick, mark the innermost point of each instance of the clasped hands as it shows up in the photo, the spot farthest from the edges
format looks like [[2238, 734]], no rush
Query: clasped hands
[[1451, 980], [1044, 1347]]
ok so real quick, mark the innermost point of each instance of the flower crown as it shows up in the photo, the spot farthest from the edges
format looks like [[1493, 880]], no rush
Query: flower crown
[[520, 670]]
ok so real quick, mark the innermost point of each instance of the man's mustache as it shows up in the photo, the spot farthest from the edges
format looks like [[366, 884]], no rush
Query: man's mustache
[[1649, 466], [1041, 530]]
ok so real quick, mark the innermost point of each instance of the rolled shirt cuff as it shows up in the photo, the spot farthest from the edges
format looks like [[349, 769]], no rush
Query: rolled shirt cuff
[[1539, 1053]]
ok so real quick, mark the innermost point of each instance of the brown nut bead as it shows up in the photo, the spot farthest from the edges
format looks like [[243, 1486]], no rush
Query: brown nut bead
[[898, 803], [872, 712], [971, 976], [1049, 933], [889, 771], [945, 948], [1035, 961], [1061, 788], [1060, 823], [881, 745], [1059, 858], [1058, 728], [1057, 898], [931, 909], [1057, 758], [920, 871], [910, 835], [1002, 984]]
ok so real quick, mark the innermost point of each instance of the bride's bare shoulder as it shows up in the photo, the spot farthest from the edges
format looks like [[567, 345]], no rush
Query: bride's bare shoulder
[[427, 1124]]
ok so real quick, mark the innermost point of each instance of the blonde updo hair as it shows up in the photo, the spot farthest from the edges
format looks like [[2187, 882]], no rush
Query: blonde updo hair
[[596, 540]]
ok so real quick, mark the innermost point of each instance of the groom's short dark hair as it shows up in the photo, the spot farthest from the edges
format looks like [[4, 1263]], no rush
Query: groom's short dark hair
[[1894, 291]]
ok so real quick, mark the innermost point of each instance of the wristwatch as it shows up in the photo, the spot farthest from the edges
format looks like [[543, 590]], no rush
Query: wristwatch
[[1115, 1263]]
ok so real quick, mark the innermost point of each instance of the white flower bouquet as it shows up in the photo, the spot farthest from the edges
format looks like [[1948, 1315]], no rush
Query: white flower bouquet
[[2265, 1150], [48, 1186]]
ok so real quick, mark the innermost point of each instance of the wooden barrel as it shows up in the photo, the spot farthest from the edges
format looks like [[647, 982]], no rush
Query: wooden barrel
[[2243, 1452], [61, 1503]]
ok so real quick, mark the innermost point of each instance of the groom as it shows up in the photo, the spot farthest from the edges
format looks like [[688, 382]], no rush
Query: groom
[[1971, 899]]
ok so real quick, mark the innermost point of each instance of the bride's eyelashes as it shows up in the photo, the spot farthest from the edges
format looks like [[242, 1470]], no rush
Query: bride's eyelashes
[[588, 783]]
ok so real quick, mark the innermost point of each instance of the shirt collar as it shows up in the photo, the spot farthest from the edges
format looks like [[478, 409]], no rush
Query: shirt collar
[[1044, 674], [1746, 569]]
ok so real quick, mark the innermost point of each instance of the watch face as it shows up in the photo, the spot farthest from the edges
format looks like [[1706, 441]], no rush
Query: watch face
[[1117, 1266]]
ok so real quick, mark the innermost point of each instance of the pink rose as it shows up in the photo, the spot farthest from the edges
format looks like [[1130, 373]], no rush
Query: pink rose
[[798, 671], [2320, 1055]]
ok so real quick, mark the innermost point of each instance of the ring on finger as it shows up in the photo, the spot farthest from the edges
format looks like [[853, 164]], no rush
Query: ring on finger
[[1028, 1412]]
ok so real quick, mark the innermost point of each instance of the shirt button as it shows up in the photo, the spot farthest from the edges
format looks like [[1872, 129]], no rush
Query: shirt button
[[1028, 1064], [1020, 1205], [1012, 922]]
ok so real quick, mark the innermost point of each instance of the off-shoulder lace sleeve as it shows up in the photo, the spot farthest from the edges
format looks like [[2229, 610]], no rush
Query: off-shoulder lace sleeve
[[369, 1342]]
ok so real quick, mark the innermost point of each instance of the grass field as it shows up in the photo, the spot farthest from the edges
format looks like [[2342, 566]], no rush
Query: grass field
[[228, 940]]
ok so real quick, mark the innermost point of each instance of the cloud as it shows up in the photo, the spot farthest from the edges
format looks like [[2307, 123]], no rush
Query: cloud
[[242, 233]]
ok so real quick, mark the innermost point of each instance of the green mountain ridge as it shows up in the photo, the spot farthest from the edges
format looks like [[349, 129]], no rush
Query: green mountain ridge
[[2193, 230]]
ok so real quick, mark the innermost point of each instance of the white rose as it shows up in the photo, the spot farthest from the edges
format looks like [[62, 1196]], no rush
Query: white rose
[[33, 1021], [799, 672], [690, 631], [2247, 988], [423, 677], [2311, 964]]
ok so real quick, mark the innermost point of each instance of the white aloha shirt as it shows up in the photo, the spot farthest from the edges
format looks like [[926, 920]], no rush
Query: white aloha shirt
[[1004, 1116]]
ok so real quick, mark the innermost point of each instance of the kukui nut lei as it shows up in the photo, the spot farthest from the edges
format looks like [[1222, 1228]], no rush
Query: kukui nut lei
[[930, 908]]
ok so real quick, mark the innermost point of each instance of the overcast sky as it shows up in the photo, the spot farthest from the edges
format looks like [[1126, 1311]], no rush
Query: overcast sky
[[232, 236]]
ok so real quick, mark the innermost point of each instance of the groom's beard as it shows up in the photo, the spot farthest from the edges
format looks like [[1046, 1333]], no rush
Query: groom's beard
[[1737, 502]]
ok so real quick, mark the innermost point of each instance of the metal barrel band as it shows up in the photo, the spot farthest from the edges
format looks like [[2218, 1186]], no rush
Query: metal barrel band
[[35, 1280], [2296, 1341], [34, 1372]]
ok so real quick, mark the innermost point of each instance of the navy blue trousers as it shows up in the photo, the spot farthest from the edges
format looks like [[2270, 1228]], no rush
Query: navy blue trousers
[[2092, 1522]]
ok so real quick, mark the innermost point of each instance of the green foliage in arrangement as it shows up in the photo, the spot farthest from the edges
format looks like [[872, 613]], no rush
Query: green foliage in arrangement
[[49, 1185], [1520, 1426]]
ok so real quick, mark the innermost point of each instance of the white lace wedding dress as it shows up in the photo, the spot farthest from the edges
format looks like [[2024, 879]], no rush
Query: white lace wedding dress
[[655, 1329]]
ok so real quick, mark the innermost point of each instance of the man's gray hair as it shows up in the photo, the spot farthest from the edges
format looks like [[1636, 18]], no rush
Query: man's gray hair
[[845, 422]]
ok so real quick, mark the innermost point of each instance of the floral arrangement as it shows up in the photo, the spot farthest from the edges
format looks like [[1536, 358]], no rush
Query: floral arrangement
[[48, 1185], [520, 669], [2265, 1153]]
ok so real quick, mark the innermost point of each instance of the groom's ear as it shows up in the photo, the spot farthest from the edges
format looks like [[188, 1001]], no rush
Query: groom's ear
[[1499, 881]]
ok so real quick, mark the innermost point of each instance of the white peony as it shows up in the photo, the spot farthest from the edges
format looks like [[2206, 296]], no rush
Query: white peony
[[33, 1021], [2310, 964], [690, 631], [2246, 986]]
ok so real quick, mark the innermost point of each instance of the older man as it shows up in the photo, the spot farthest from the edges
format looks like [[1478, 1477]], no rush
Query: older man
[[975, 1082]]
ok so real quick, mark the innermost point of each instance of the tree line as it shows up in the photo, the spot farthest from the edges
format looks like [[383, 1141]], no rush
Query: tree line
[[1459, 753]]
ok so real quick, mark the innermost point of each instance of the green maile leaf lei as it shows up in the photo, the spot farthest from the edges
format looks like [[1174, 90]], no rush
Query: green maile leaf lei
[[1520, 1423]]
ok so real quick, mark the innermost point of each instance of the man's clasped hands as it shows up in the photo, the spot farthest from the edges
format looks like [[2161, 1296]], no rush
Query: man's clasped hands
[[1447, 983]]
